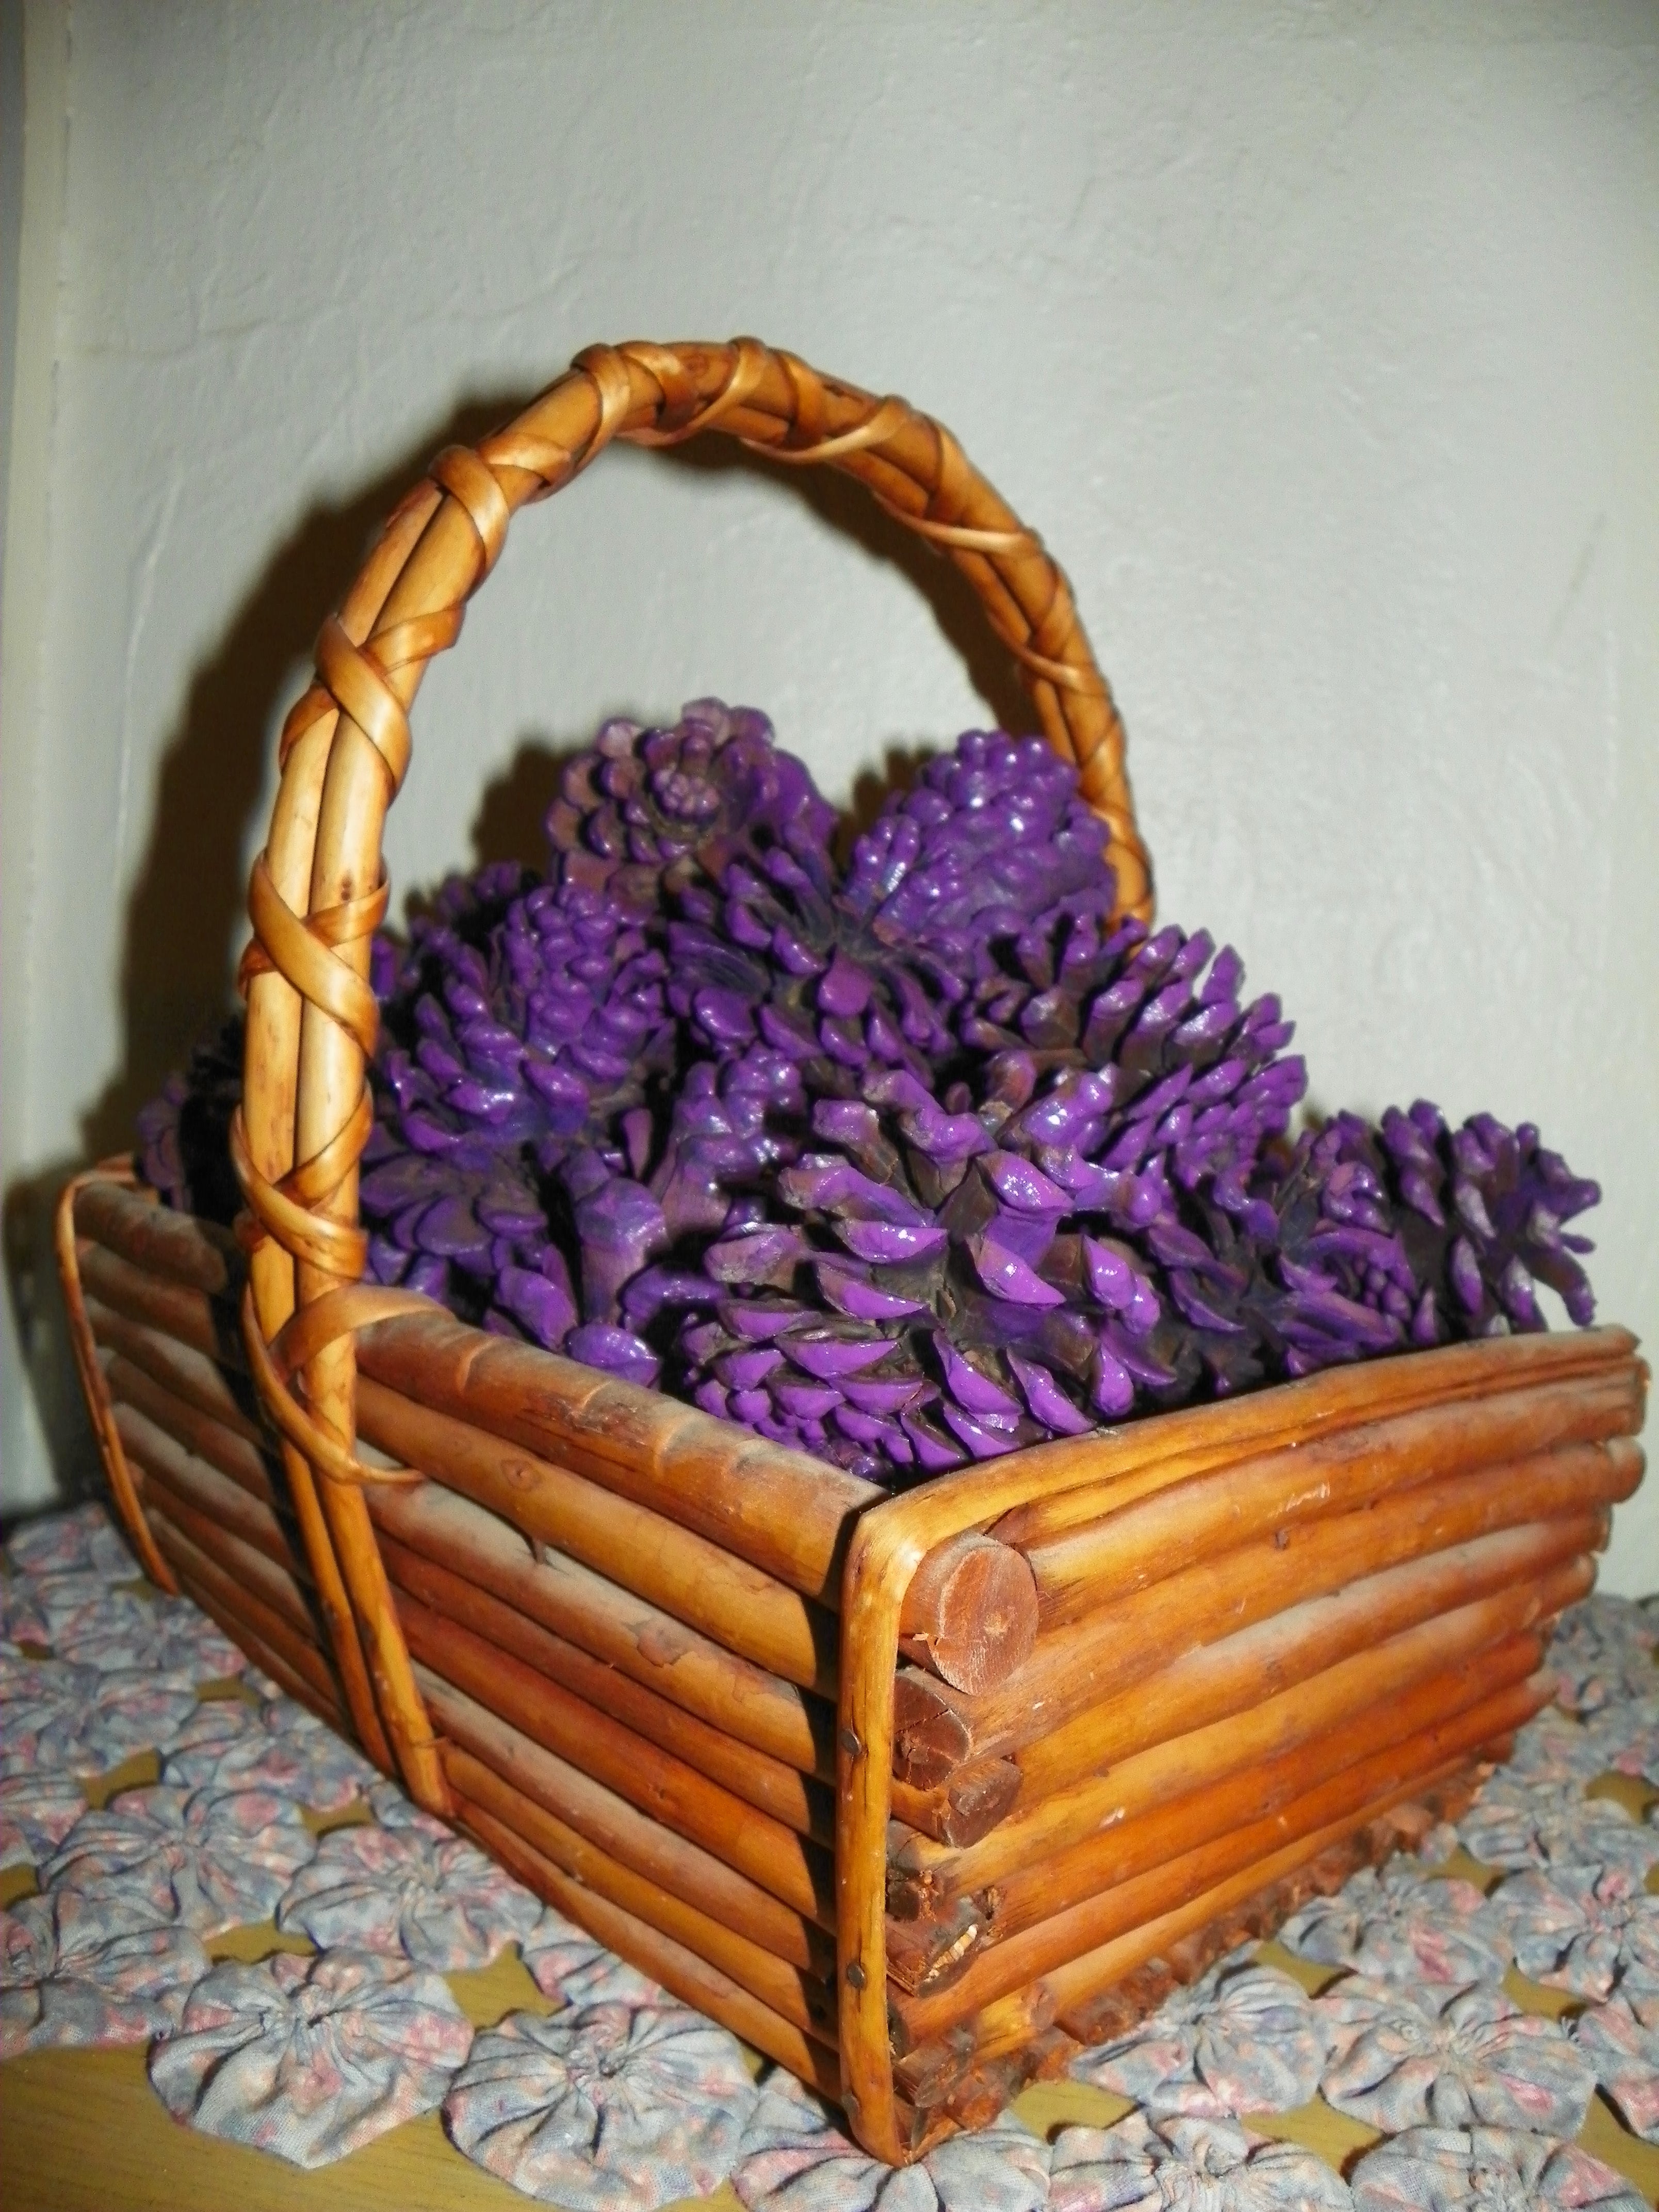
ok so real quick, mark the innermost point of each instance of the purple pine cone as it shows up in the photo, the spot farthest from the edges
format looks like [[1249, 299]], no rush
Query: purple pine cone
[[907, 1164]]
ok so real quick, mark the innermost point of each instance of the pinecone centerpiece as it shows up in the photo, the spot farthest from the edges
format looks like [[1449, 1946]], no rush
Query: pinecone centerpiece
[[906, 1160]]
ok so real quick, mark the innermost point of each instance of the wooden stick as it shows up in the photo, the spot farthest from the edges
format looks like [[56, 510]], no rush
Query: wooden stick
[[665, 1787], [1178, 1946], [223, 1503], [241, 1463], [944, 2076], [626, 1834], [688, 1669], [192, 1372], [1081, 1929], [988, 2086], [927, 2072], [1153, 1831], [1514, 1578], [251, 1569], [1110, 1651], [161, 1242], [931, 1953], [957, 1905], [124, 1489], [680, 1971], [971, 1612], [794, 1994], [964, 1809], [173, 1309], [684, 1574], [285, 1678], [1337, 1698], [1111, 2010], [779, 1511], [1220, 1511], [245, 1618], [935, 1732], [201, 1258], [935, 1735], [777, 1790], [188, 1374], [1074, 1984], [1087, 1477], [1186, 1939]]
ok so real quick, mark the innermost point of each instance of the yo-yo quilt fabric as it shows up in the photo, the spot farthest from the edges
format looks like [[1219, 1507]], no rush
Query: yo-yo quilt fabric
[[1466, 2014]]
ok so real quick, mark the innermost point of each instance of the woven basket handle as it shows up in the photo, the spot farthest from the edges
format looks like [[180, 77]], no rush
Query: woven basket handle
[[319, 890]]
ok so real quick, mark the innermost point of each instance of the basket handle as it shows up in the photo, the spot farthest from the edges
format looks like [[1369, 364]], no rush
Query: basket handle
[[318, 889]]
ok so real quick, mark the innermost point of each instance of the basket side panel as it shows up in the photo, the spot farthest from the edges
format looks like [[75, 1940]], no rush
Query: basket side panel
[[1204, 1694], [635, 1720], [207, 1498]]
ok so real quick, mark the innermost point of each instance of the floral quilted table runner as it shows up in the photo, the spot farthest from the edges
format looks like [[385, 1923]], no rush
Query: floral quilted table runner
[[194, 1864]]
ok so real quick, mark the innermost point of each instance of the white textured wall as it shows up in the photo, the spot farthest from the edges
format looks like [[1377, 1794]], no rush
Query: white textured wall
[[1321, 342]]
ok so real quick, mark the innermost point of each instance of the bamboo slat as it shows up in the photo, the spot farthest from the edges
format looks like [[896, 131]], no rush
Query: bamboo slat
[[240, 1463], [176, 1367], [681, 1573], [788, 1865], [806, 2003], [174, 1309], [1153, 1834], [1080, 1929], [1227, 1507], [688, 1669], [694, 1980], [245, 1618], [627, 1835], [222, 1502], [1123, 1643], [1229, 1677], [159, 1240], [774, 1789], [1081, 1479], [259, 1577], [1337, 1698]]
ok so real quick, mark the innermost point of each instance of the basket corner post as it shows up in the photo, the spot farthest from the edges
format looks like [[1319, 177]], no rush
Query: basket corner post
[[94, 1389], [888, 1543]]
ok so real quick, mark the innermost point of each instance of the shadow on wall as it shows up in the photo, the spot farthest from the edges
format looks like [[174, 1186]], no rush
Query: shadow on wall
[[176, 977]]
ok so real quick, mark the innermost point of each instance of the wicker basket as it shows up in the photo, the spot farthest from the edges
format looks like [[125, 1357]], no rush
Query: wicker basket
[[913, 1793]]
